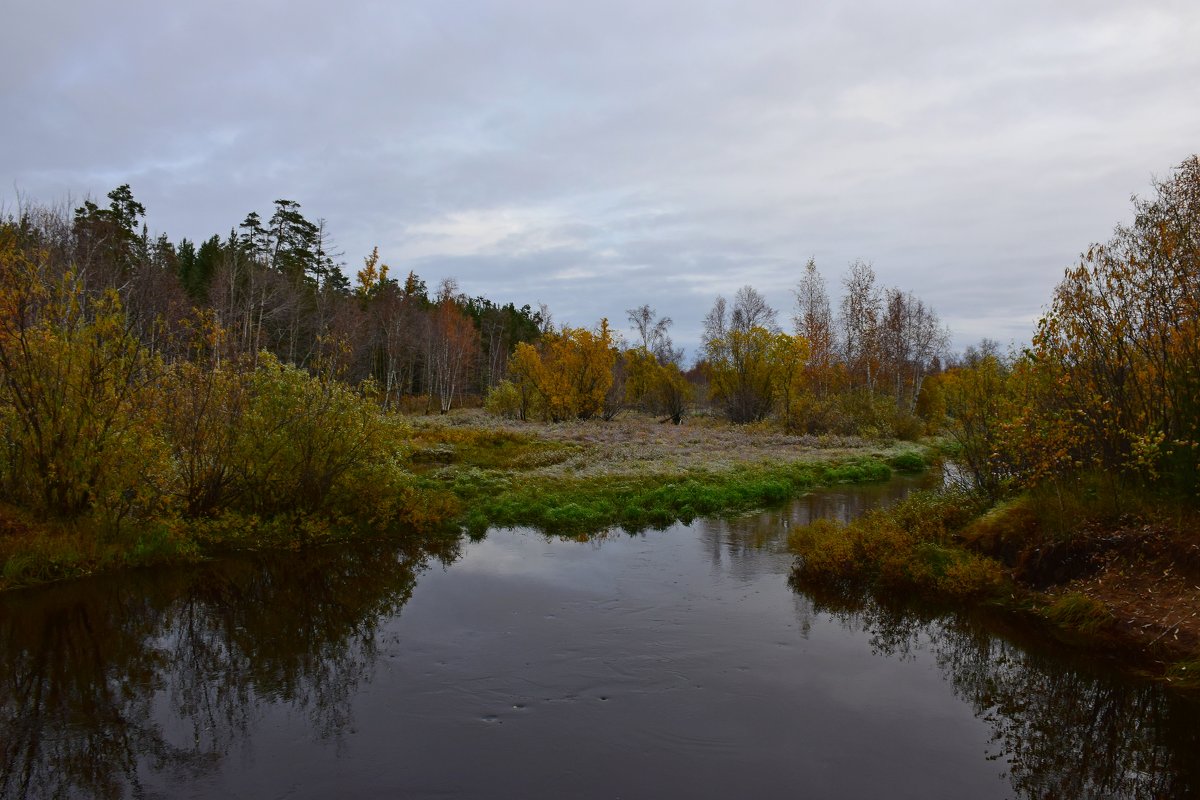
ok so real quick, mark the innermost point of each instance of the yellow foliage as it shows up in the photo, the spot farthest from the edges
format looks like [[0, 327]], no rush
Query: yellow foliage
[[657, 388], [752, 371], [567, 375], [79, 430]]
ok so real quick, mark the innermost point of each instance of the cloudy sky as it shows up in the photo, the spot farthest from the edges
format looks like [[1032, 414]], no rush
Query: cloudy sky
[[599, 155]]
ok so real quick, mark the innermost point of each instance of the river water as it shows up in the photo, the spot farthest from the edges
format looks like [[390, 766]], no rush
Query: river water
[[674, 663]]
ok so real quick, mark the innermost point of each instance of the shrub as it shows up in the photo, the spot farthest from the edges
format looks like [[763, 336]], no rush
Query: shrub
[[1078, 612], [504, 400], [909, 461], [301, 435], [79, 433]]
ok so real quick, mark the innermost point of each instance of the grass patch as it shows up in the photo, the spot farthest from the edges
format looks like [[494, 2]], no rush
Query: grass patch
[[1077, 612], [909, 461], [484, 448]]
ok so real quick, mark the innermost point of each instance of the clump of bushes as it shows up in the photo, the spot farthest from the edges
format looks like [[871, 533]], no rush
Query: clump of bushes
[[911, 547], [908, 461]]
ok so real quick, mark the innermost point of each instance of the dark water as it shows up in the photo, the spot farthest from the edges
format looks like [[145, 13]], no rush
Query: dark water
[[677, 663]]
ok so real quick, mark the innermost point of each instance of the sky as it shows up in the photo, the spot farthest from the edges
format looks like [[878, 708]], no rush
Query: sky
[[595, 156]]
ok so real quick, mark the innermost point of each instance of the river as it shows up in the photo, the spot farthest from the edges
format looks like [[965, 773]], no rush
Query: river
[[672, 663]]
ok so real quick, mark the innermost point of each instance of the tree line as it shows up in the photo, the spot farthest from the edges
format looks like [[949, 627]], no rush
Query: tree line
[[142, 379], [276, 285], [859, 373]]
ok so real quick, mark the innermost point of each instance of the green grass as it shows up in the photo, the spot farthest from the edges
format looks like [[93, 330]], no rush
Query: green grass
[[908, 461], [1076, 612]]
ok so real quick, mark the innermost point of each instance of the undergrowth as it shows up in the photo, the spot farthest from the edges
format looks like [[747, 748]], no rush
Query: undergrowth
[[910, 547]]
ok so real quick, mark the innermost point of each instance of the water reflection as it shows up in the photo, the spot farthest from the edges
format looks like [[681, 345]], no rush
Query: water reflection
[[1065, 728], [1063, 725], [631, 653], [111, 683]]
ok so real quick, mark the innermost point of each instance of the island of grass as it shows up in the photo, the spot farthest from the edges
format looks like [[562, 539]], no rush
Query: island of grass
[[583, 477]]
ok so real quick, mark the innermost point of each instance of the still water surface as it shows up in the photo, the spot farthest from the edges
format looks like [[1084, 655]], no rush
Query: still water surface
[[676, 663]]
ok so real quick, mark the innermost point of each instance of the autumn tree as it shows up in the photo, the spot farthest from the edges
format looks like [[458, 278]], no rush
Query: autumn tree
[[908, 339], [453, 346], [569, 372], [788, 356], [747, 357], [203, 406], [819, 405], [1122, 341], [979, 403], [813, 320], [653, 380], [73, 394], [861, 305], [656, 387]]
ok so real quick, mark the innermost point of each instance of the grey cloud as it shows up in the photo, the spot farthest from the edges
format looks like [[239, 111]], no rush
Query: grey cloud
[[634, 152]]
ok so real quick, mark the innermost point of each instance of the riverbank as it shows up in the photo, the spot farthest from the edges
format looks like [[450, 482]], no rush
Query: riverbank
[[468, 471], [1124, 585]]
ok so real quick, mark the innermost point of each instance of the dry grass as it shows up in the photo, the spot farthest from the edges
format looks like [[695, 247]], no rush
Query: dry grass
[[634, 444]]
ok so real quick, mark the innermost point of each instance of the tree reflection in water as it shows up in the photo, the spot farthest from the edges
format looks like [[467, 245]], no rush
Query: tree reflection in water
[[85, 666], [1064, 728]]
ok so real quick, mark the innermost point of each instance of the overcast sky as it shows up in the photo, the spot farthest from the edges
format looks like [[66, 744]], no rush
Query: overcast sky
[[599, 155]]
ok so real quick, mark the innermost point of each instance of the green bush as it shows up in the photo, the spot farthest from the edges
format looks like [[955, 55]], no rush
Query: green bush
[[909, 461], [302, 436], [504, 400]]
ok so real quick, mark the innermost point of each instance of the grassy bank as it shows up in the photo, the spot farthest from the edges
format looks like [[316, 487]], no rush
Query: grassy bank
[[1125, 582], [437, 476]]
